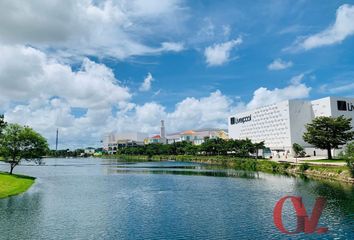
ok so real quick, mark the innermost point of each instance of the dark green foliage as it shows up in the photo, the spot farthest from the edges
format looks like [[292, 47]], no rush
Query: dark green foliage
[[298, 150], [286, 165], [303, 167], [247, 164], [274, 167], [210, 147], [329, 132], [18, 143], [349, 157]]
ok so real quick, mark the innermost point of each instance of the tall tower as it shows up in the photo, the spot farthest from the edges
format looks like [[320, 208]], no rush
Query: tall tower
[[162, 132]]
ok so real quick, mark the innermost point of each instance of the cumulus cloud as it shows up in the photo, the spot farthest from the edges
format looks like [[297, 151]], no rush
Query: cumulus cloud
[[218, 54], [279, 64], [45, 115], [146, 85], [210, 111], [26, 73], [264, 96], [86, 27], [342, 28]]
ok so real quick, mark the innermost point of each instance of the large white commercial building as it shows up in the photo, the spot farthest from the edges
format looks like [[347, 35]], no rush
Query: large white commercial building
[[282, 124]]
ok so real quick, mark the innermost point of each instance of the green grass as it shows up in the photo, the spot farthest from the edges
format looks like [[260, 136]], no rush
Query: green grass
[[14, 184]]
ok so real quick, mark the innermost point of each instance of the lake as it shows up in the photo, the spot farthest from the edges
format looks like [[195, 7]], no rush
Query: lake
[[107, 199]]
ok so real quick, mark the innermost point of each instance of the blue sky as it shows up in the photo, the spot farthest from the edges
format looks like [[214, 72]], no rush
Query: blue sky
[[267, 30], [92, 67]]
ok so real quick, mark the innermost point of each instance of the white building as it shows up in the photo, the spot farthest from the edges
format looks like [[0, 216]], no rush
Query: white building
[[113, 141], [282, 124], [89, 150], [197, 137]]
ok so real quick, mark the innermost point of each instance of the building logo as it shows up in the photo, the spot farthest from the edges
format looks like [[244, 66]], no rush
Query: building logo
[[234, 120], [344, 106], [305, 223]]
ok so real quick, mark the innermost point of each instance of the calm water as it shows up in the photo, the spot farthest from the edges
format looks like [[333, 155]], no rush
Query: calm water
[[102, 199]]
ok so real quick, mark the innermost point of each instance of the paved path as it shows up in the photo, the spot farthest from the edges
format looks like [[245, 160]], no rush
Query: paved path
[[308, 160]]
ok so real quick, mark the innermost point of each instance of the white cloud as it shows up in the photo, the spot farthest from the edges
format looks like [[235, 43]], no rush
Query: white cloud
[[342, 28], [85, 27], [146, 85], [45, 115], [26, 73], [335, 89], [218, 54], [211, 111], [263, 96], [297, 79], [172, 46], [279, 64]]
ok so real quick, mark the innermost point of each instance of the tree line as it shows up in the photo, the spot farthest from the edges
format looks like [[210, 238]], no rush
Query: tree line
[[211, 147]]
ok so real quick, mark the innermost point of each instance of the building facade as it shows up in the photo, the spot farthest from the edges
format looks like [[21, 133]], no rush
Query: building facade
[[282, 124], [113, 141], [197, 137]]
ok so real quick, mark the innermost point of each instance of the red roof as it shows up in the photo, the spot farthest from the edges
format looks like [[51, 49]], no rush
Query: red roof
[[188, 132], [156, 137]]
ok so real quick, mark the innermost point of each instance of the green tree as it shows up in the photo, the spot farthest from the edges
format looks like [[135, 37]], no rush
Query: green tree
[[329, 132], [298, 150], [20, 143], [349, 157]]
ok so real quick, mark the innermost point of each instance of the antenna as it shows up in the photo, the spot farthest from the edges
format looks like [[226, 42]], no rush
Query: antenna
[[56, 141]]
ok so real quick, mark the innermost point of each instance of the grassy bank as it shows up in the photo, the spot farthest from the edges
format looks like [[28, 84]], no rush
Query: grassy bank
[[14, 184], [339, 173]]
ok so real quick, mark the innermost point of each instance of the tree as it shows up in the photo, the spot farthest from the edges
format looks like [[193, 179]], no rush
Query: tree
[[349, 157], [298, 150], [20, 143], [329, 132]]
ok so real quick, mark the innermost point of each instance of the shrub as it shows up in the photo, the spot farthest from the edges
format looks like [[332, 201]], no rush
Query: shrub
[[303, 167], [348, 155], [274, 167], [350, 164], [286, 165]]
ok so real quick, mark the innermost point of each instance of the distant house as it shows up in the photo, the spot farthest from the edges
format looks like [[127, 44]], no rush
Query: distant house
[[197, 137], [154, 139], [89, 151]]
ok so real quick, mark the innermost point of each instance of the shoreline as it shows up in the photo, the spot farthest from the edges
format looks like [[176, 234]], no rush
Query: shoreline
[[15, 184], [316, 171]]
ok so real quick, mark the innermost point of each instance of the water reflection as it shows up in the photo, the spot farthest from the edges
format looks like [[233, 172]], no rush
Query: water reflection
[[229, 173], [104, 199]]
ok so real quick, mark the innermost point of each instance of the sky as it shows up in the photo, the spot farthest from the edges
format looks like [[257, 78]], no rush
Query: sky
[[90, 67]]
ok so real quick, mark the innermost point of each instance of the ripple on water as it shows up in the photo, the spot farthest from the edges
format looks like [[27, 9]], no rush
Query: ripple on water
[[98, 199]]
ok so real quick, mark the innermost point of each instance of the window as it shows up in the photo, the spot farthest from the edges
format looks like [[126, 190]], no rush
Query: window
[[342, 105]]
